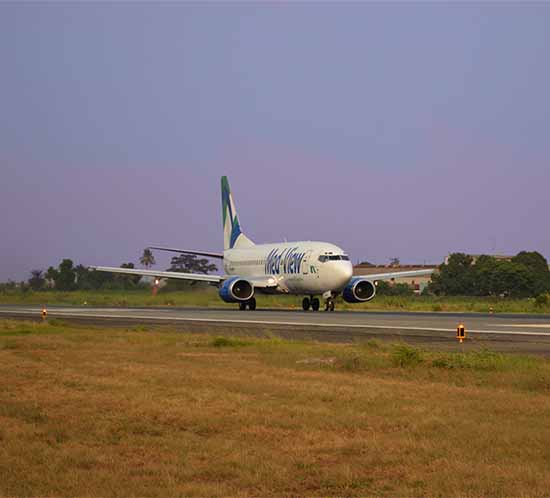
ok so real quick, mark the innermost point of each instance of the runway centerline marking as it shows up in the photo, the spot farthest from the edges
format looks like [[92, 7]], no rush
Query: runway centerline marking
[[54, 313]]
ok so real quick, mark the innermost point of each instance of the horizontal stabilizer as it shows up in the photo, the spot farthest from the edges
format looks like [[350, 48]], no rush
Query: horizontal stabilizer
[[218, 255]]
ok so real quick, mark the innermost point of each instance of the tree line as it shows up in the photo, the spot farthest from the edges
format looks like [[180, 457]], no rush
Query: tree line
[[524, 275], [70, 277]]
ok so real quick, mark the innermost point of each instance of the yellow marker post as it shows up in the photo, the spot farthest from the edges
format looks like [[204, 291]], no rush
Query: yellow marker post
[[461, 332], [44, 314]]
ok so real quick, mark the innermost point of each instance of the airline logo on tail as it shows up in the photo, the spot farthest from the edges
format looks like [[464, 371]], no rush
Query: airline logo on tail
[[232, 234]]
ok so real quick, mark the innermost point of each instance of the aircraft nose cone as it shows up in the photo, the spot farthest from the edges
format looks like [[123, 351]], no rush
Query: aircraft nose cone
[[345, 271], [348, 271]]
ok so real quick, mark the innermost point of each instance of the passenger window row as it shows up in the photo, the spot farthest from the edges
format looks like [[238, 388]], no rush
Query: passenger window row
[[247, 263]]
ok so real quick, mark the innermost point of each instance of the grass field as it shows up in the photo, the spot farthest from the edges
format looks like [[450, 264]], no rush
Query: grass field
[[209, 298], [97, 412]]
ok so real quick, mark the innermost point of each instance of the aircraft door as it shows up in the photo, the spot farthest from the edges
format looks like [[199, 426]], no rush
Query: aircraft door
[[308, 265], [305, 263]]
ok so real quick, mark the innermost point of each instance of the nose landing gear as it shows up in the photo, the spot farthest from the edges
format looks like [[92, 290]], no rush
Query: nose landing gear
[[329, 304]]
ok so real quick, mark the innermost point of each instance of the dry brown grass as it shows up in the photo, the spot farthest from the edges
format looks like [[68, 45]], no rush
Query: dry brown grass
[[140, 413]]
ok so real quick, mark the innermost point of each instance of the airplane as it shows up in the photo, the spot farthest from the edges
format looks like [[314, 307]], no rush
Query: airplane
[[304, 268]]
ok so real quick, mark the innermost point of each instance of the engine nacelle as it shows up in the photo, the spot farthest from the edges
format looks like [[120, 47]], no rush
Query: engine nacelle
[[359, 290], [236, 290]]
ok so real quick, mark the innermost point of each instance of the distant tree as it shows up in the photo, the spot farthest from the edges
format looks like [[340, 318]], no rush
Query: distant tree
[[51, 275], [189, 263], [66, 276], [8, 286], [483, 276], [37, 280], [395, 262], [82, 277], [513, 279], [366, 263], [147, 259], [455, 277], [97, 280], [533, 260], [90, 280], [129, 280], [536, 263]]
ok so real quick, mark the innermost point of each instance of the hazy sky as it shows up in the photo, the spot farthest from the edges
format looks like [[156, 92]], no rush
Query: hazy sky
[[390, 129]]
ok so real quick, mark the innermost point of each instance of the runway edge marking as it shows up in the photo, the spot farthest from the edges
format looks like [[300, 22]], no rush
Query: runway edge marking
[[303, 324]]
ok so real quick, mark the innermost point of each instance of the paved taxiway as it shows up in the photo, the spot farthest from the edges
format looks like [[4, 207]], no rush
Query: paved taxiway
[[521, 333]]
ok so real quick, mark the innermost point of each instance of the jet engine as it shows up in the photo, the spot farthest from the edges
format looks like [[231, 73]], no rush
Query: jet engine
[[236, 290], [359, 290]]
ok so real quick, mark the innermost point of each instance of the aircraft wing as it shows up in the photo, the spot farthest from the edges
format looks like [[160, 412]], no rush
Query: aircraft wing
[[264, 281], [397, 274], [218, 255], [201, 277]]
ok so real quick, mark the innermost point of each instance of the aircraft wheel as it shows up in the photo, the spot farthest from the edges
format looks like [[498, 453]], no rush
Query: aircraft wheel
[[242, 306], [305, 303], [329, 304], [315, 304], [252, 304]]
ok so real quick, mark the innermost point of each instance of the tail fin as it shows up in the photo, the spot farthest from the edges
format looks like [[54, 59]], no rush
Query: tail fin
[[232, 234]]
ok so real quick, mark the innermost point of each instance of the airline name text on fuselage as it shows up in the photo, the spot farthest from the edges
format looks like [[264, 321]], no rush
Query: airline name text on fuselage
[[289, 260]]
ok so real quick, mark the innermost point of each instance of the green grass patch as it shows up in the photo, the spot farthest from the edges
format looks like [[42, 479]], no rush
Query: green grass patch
[[484, 359], [404, 356]]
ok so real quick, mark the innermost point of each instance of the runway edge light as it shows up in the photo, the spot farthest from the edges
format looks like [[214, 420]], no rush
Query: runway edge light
[[44, 313], [461, 332]]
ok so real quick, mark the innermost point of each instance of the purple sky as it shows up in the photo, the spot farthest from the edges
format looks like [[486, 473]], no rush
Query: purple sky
[[391, 129]]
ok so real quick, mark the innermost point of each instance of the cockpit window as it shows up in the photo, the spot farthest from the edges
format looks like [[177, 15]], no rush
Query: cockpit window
[[333, 257]]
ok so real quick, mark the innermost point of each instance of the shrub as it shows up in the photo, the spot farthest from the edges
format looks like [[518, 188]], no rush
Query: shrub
[[406, 356], [483, 359], [542, 300], [223, 342]]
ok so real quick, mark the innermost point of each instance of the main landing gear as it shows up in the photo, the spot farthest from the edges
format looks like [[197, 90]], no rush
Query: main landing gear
[[250, 304], [315, 304], [312, 303]]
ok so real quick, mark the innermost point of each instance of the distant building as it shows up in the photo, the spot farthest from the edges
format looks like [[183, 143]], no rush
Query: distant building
[[418, 283]]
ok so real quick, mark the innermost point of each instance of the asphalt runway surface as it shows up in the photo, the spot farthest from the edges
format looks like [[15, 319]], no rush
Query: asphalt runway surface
[[500, 332]]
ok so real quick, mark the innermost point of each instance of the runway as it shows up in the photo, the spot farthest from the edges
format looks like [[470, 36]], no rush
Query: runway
[[514, 333]]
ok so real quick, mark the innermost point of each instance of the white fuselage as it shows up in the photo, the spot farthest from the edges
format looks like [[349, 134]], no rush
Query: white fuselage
[[297, 267]]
